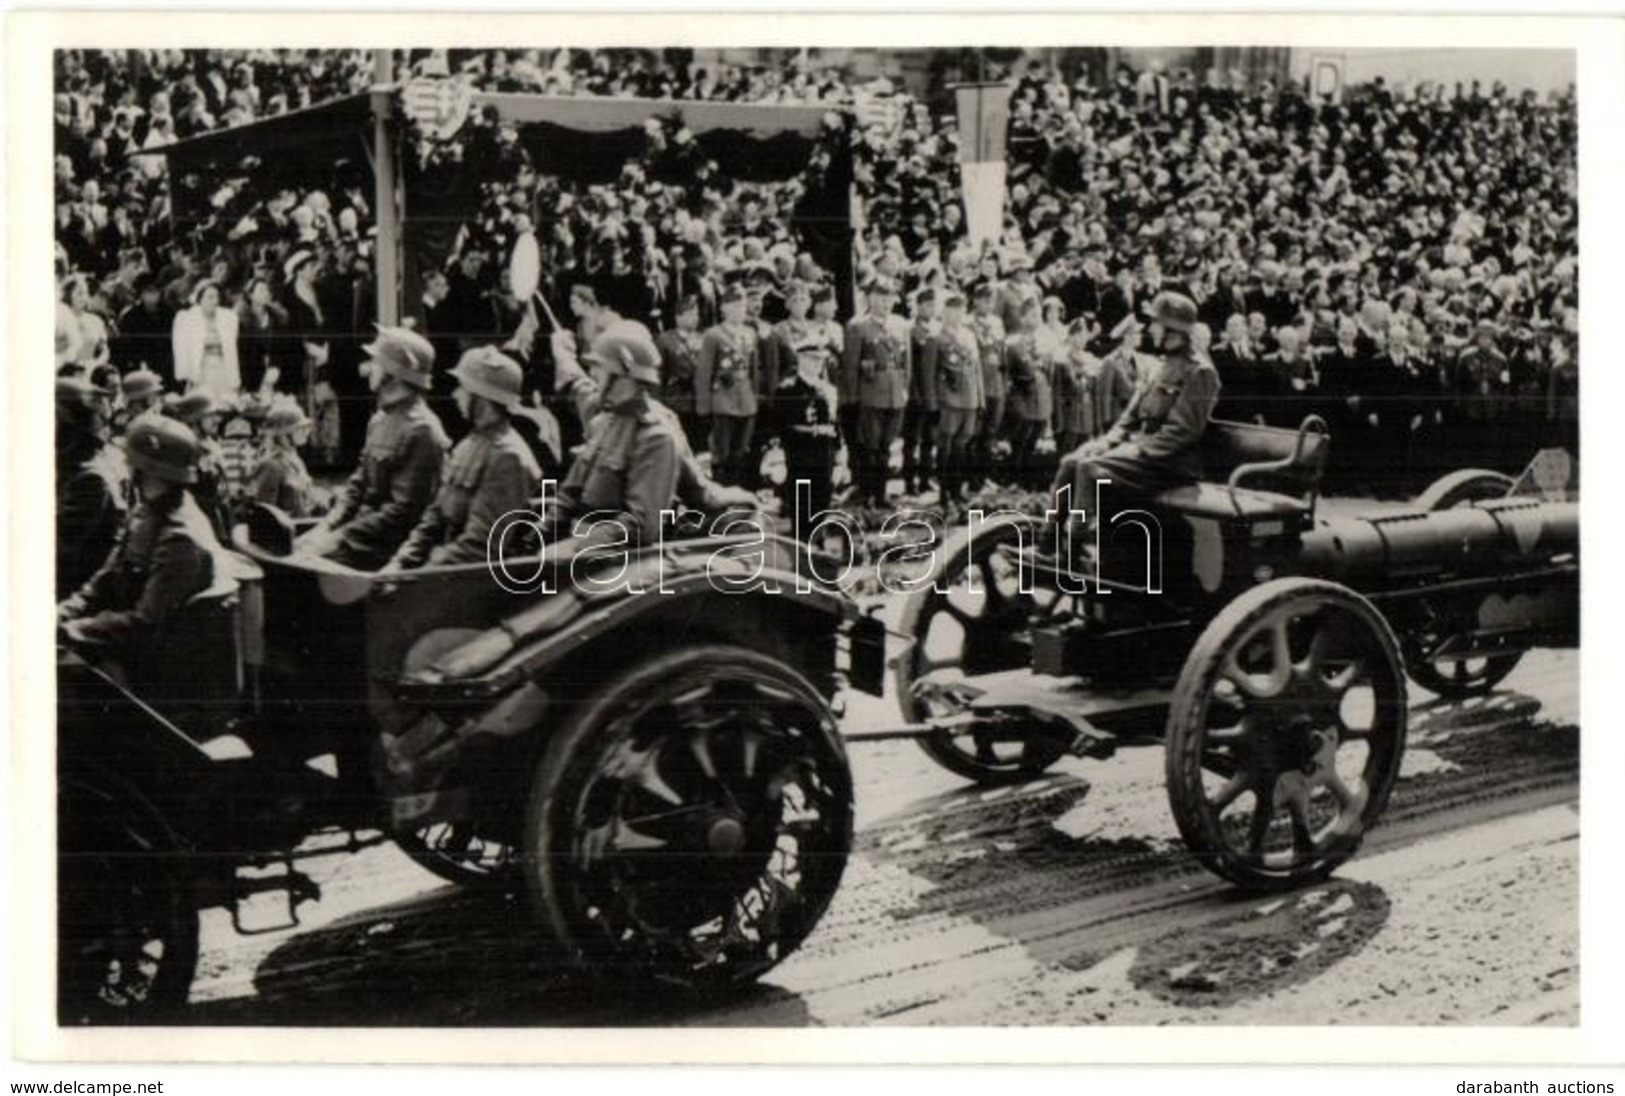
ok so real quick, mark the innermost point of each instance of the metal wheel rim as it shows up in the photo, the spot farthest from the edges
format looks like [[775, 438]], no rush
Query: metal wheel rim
[[1277, 782], [708, 851]]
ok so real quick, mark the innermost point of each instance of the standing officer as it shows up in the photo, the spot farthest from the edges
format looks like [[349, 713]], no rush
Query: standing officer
[[1483, 380], [990, 342], [401, 462], [951, 388], [1031, 402], [491, 472], [725, 386], [877, 366], [166, 554], [805, 422], [679, 362], [919, 418], [1154, 445]]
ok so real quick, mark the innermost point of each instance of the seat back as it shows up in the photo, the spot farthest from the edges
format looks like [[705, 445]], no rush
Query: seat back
[[1269, 457]]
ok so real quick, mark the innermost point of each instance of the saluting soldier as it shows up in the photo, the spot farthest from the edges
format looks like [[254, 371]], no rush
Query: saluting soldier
[[166, 554], [725, 386], [679, 363], [990, 342], [492, 471], [877, 365], [951, 371], [280, 478], [401, 462], [1031, 400], [1154, 444]]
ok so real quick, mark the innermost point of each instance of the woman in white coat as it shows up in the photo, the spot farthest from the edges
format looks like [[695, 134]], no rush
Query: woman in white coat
[[206, 344]]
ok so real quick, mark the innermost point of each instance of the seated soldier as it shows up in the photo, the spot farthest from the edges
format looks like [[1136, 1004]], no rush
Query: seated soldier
[[401, 461], [492, 472], [636, 461], [280, 477], [1154, 443], [91, 484], [166, 554]]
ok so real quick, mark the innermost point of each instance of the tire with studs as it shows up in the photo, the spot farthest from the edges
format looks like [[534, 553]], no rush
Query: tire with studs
[[691, 821]]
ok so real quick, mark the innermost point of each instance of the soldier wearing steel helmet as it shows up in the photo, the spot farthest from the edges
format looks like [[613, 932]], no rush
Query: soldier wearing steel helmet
[[92, 483], [280, 477], [1154, 443], [401, 462], [166, 554], [492, 471]]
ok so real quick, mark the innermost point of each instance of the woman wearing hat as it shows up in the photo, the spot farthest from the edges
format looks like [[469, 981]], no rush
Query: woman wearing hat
[[280, 478], [308, 324], [205, 338], [492, 471]]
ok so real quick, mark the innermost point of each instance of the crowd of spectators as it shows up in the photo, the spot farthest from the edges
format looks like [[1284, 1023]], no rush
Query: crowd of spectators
[[1402, 262]]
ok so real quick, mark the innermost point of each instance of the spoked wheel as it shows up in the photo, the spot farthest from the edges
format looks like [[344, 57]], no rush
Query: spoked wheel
[[1285, 733], [127, 928], [692, 821], [1455, 677], [456, 852], [974, 620]]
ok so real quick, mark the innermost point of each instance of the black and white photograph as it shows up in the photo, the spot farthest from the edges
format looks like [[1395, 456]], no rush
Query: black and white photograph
[[940, 533]]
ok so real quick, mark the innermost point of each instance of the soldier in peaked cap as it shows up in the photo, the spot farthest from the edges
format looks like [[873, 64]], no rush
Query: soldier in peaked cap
[[879, 362], [805, 423], [725, 386], [166, 554], [951, 390], [401, 462], [492, 471], [1154, 443]]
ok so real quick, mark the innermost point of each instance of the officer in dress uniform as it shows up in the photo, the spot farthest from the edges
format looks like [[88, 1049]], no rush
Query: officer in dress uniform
[[805, 413], [877, 366], [725, 387], [166, 554], [951, 388], [1154, 444], [92, 487], [280, 478], [919, 418], [492, 471], [990, 341], [401, 462], [1031, 400], [679, 362]]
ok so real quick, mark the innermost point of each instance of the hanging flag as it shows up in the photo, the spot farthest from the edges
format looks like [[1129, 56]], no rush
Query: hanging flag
[[983, 111]]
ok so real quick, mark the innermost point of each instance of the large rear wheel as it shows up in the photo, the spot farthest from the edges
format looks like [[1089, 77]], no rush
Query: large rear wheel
[[692, 820], [1285, 733]]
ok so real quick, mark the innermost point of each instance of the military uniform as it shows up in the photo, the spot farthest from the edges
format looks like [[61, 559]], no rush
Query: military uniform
[[1031, 398], [878, 366], [166, 554], [725, 392], [1155, 444], [401, 465], [919, 418], [491, 472], [951, 375], [805, 419], [91, 506], [282, 480], [990, 342], [679, 364]]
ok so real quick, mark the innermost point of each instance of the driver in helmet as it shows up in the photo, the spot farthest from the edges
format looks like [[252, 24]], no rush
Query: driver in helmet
[[401, 461], [492, 471], [166, 554], [1153, 444]]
